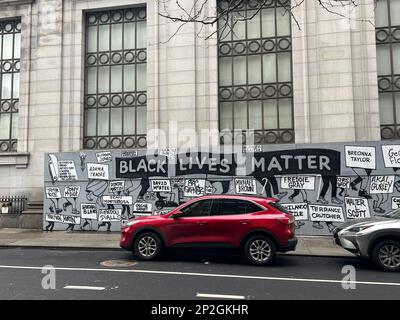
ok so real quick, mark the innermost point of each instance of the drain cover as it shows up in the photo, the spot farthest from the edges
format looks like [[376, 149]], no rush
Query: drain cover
[[118, 263]]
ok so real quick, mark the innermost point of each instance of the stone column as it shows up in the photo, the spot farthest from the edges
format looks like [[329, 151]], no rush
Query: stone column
[[182, 79], [334, 82]]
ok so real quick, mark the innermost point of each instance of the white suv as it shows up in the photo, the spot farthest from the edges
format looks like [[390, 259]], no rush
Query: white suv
[[376, 238]]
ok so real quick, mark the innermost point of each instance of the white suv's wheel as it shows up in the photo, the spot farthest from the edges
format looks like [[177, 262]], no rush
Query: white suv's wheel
[[260, 250], [386, 255], [147, 246]]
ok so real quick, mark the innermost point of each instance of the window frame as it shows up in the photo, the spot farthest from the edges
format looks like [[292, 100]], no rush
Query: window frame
[[10, 105], [262, 135], [389, 84], [137, 98]]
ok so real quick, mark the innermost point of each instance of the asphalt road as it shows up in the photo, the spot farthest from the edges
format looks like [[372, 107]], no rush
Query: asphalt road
[[93, 274]]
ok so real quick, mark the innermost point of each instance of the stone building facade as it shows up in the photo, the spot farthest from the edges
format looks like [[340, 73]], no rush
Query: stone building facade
[[334, 76]]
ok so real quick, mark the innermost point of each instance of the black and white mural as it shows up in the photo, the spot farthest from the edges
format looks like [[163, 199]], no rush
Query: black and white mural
[[322, 185]]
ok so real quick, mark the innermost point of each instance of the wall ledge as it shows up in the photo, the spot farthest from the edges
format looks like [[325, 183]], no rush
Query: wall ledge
[[15, 2], [19, 159]]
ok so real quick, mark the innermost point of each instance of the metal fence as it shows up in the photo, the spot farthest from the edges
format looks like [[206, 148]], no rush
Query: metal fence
[[16, 204]]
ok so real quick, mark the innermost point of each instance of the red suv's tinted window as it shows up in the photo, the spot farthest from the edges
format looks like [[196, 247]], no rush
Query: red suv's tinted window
[[232, 207], [279, 207], [197, 209]]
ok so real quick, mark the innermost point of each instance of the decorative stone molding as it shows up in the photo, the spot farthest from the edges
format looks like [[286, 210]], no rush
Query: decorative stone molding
[[19, 159], [15, 2]]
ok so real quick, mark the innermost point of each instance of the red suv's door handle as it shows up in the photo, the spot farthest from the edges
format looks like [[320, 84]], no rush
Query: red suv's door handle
[[245, 221], [202, 223]]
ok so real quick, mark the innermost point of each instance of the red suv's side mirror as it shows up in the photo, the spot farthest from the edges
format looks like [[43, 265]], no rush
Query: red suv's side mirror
[[176, 215]]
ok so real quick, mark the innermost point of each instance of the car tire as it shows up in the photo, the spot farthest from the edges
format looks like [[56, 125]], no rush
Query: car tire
[[147, 246], [260, 250], [382, 255]]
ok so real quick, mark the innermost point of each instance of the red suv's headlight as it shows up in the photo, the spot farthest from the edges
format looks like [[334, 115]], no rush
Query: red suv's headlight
[[128, 225], [131, 223]]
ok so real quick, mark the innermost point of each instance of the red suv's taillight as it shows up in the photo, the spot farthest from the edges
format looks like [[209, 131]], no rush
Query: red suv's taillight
[[286, 219]]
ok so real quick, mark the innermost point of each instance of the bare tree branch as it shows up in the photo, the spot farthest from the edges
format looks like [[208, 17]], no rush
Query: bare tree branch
[[222, 21]]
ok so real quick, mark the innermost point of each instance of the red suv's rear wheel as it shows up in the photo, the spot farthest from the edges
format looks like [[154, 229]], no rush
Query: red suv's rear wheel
[[260, 250], [147, 246]]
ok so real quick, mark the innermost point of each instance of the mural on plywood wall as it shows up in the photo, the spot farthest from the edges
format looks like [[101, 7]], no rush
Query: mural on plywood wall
[[322, 185]]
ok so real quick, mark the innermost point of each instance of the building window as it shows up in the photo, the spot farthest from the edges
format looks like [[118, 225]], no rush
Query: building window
[[115, 79], [10, 44], [255, 73], [388, 58]]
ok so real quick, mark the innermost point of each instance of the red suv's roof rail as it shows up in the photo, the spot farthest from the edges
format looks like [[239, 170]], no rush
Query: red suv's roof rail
[[239, 196]]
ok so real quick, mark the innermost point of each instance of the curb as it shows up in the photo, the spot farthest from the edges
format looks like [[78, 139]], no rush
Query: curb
[[37, 247], [18, 246], [304, 239], [317, 256]]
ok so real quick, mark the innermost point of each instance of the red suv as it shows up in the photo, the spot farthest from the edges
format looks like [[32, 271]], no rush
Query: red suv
[[258, 227]]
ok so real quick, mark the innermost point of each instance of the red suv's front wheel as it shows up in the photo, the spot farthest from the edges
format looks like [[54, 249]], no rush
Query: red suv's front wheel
[[260, 250], [147, 246]]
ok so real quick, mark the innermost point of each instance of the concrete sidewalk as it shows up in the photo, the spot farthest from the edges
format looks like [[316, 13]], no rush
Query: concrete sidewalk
[[308, 245]]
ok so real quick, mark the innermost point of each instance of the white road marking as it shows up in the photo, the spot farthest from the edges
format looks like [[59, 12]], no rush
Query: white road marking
[[219, 296], [84, 288], [209, 275]]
